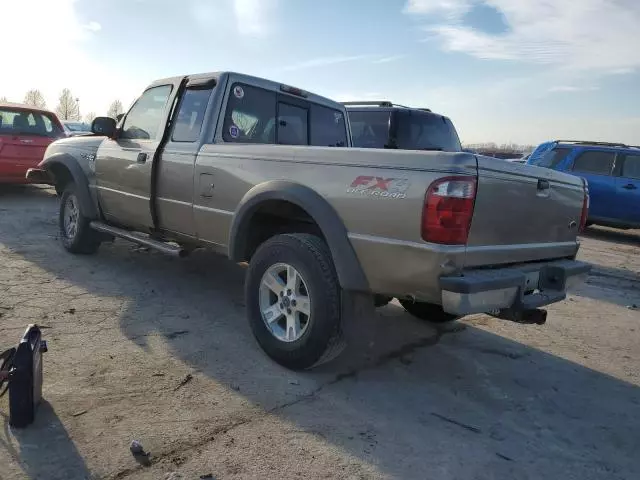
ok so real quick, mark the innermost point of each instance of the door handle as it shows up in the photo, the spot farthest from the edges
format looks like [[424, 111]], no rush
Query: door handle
[[630, 186], [142, 157], [543, 184]]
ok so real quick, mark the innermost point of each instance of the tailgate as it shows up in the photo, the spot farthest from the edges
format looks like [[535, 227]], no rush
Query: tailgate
[[523, 213], [19, 152]]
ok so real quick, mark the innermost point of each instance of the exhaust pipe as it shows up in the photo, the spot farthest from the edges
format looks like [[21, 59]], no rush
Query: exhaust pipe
[[536, 316]]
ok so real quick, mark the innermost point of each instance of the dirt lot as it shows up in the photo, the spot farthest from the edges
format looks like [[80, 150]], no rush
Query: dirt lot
[[157, 349]]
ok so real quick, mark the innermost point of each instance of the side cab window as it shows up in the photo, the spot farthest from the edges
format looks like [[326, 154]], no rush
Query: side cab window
[[257, 115], [631, 166], [595, 162], [145, 117]]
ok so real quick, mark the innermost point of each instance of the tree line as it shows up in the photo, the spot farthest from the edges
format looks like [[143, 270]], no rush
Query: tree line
[[68, 107]]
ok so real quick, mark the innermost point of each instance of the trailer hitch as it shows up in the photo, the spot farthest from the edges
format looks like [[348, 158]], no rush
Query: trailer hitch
[[537, 316], [21, 369]]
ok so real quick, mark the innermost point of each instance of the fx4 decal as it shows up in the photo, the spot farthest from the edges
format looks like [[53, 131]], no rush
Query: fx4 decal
[[380, 187]]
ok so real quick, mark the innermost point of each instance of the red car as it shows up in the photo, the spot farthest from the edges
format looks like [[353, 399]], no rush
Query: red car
[[25, 133]]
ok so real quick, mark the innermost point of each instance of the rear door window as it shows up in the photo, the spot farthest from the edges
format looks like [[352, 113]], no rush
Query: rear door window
[[594, 162], [191, 115], [631, 167], [552, 158], [26, 123]]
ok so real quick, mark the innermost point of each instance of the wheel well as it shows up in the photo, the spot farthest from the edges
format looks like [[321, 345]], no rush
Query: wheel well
[[275, 217], [61, 176]]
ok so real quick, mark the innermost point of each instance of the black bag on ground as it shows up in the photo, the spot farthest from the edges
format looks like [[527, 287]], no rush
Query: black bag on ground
[[23, 367]]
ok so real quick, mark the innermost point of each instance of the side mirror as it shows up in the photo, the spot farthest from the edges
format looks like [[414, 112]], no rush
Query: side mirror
[[104, 126]]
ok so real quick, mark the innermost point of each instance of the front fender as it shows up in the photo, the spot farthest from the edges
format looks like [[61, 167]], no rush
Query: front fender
[[60, 165], [346, 262]]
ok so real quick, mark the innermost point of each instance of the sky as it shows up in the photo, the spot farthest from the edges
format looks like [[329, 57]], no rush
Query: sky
[[521, 71]]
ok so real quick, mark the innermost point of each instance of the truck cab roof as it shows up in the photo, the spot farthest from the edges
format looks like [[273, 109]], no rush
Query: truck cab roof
[[226, 77]]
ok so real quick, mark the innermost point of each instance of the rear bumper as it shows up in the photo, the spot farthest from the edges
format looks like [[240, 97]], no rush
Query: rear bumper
[[13, 171], [519, 288]]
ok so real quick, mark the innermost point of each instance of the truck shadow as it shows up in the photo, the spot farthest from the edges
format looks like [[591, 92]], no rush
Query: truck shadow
[[622, 237], [453, 402]]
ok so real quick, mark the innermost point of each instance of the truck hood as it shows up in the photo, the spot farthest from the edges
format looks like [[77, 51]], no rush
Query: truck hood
[[83, 142], [82, 149]]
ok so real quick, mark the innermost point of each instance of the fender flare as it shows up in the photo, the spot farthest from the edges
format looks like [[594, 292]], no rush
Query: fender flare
[[346, 262], [87, 204]]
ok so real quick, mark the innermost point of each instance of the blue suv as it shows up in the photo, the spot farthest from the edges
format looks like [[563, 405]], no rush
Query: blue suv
[[612, 171]]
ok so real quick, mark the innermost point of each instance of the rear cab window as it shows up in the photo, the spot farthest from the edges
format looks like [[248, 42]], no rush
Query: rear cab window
[[418, 130], [257, 115], [595, 162], [405, 129], [370, 129], [551, 158], [28, 123]]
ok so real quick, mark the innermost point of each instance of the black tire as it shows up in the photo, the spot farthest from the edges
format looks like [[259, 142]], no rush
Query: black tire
[[83, 239], [427, 311], [322, 340]]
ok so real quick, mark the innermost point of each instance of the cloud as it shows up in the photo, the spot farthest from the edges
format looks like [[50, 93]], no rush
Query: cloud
[[93, 26], [571, 89], [452, 9], [253, 16], [250, 18], [326, 61], [598, 35], [392, 58]]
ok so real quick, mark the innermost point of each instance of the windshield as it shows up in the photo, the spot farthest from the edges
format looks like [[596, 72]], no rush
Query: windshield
[[24, 122], [369, 129], [426, 131]]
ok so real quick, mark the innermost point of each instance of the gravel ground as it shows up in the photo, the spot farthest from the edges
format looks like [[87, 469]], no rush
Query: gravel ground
[[157, 349]]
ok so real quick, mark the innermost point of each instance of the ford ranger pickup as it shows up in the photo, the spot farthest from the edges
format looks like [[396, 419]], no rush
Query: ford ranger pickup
[[266, 174]]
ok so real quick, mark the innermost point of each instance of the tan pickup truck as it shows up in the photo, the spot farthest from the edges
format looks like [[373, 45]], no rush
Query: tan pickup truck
[[264, 173]]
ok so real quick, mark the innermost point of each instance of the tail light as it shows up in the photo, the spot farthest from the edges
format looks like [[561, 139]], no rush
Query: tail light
[[585, 206], [448, 209]]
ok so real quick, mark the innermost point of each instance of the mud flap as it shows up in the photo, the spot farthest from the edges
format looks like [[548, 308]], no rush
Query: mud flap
[[358, 313]]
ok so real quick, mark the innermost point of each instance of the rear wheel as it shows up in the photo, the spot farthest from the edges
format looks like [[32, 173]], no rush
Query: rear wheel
[[293, 301], [427, 311], [75, 232]]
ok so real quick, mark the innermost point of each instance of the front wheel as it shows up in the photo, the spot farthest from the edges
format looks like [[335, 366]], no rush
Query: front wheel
[[427, 311], [293, 301], [75, 231]]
